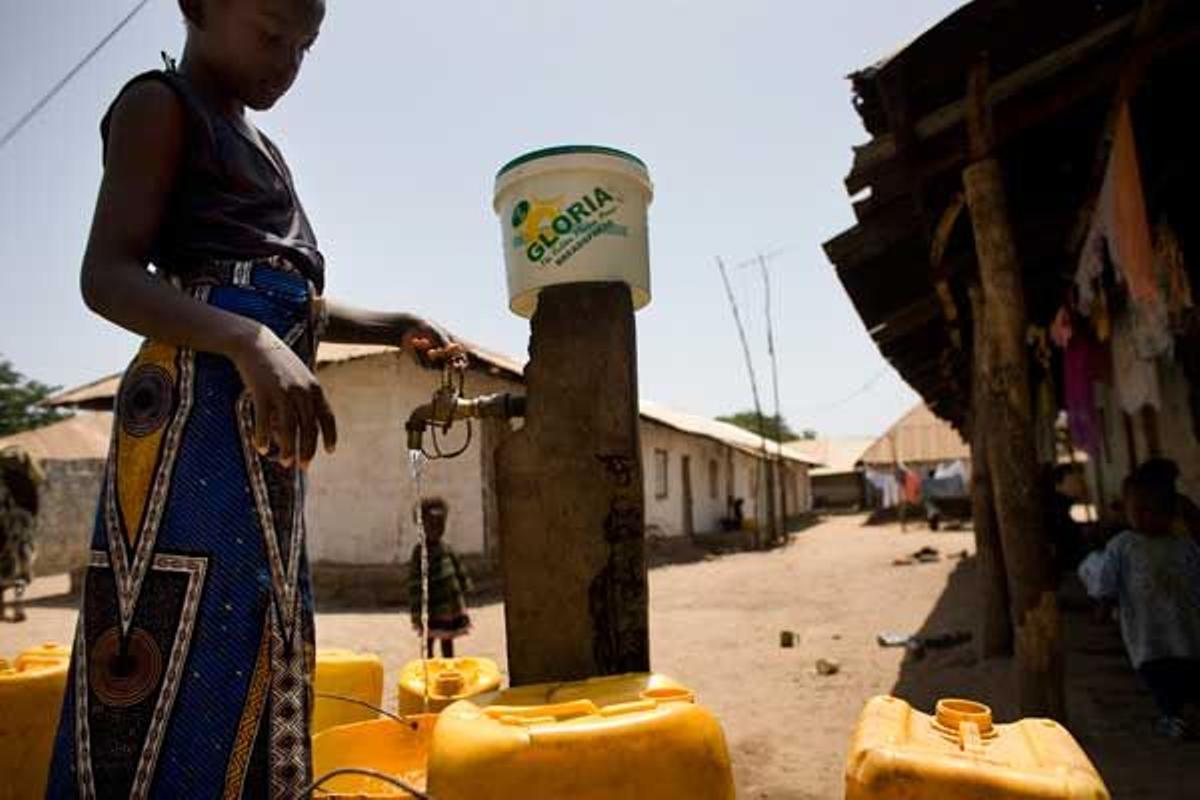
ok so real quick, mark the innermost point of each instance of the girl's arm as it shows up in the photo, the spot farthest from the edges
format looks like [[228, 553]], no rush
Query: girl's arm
[[464, 578], [145, 147], [425, 341]]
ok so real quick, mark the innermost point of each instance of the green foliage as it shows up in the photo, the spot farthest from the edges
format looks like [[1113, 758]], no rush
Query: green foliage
[[20, 402], [775, 427]]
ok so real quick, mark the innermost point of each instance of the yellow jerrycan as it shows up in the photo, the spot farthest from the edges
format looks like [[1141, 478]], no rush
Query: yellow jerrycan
[[398, 749], [450, 679], [347, 674], [629, 736], [31, 695], [899, 753]]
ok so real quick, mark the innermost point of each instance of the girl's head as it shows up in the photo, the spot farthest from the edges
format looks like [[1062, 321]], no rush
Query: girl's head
[[433, 517], [254, 48]]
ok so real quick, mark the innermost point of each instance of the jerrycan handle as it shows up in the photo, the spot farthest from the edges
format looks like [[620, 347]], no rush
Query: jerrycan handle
[[969, 738], [571, 708]]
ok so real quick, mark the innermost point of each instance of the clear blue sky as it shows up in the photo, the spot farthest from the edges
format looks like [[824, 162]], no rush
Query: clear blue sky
[[405, 110]]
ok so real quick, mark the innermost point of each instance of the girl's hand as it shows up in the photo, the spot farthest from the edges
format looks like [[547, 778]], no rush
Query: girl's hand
[[428, 344], [289, 404]]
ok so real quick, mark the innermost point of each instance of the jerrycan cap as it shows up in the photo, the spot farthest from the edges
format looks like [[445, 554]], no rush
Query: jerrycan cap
[[449, 682], [952, 713]]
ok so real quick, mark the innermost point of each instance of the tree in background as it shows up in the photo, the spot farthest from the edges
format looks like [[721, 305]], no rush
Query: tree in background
[[20, 402], [773, 427]]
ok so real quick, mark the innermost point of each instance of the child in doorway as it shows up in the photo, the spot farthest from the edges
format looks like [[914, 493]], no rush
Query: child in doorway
[[1154, 577], [449, 583], [194, 652]]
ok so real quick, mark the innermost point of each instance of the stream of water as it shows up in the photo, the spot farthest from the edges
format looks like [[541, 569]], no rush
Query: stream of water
[[416, 463]]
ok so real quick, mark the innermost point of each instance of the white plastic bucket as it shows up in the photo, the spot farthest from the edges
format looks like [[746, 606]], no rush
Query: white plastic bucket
[[573, 214]]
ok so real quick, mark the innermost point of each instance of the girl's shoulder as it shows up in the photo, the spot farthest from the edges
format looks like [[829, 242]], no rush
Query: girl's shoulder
[[157, 94]]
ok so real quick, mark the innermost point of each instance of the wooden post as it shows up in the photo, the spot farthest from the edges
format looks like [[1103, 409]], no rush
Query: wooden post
[[1012, 456], [995, 620], [770, 535], [572, 512]]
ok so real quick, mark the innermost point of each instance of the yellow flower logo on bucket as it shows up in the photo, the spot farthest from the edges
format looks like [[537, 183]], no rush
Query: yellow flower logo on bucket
[[551, 231]]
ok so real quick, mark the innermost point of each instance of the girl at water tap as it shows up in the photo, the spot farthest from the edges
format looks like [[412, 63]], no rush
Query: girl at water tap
[[1153, 575], [193, 656], [449, 583]]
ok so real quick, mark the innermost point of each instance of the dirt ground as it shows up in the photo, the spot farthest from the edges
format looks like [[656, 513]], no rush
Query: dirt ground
[[716, 623]]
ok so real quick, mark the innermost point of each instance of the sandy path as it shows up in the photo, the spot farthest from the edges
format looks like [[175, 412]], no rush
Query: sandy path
[[715, 626]]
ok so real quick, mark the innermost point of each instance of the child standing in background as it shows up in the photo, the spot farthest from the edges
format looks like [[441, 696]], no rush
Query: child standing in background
[[448, 583], [1153, 575]]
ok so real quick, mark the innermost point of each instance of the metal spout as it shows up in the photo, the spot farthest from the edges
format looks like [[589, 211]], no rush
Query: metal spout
[[448, 406]]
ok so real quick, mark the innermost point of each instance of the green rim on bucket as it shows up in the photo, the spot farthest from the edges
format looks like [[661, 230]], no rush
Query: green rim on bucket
[[571, 149]]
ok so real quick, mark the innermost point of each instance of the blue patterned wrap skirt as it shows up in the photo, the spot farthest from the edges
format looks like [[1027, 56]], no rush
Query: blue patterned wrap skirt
[[191, 668]]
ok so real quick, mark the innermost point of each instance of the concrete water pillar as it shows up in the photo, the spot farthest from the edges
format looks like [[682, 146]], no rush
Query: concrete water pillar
[[571, 515], [570, 495]]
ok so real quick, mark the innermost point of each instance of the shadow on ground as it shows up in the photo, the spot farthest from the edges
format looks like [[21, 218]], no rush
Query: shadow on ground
[[63, 600], [661, 551], [1109, 711]]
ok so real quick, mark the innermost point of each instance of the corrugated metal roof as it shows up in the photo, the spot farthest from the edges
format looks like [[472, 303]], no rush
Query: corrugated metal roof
[[918, 436], [836, 455], [100, 390], [99, 393], [723, 432], [83, 436]]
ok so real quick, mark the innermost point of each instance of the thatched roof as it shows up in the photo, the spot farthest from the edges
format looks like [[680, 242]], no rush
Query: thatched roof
[[919, 436], [83, 436], [1055, 68]]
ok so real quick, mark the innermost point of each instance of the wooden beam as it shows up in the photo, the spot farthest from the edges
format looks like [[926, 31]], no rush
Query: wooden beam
[[884, 148], [945, 227], [906, 320], [874, 169], [889, 225]]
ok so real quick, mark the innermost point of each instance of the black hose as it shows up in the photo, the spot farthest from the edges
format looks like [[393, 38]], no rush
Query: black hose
[[370, 773], [394, 717]]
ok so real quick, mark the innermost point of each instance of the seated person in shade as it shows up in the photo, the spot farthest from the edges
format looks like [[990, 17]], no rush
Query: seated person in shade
[[448, 583], [1153, 576], [1065, 534]]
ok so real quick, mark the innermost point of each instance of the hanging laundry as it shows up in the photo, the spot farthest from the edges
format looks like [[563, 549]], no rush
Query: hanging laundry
[[1119, 225], [1081, 362], [1101, 319], [885, 483], [953, 469], [1187, 351], [1150, 324], [912, 487], [1172, 272], [1135, 378], [1061, 328], [1153, 317]]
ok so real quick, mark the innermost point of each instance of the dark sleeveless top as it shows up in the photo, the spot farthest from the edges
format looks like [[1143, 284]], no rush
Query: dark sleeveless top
[[232, 200]]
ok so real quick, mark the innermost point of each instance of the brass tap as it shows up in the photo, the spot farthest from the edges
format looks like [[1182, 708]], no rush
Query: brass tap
[[449, 405]]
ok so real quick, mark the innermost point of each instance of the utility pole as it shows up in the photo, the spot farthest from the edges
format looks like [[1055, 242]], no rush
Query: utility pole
[[737, 318], [778, 527]]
